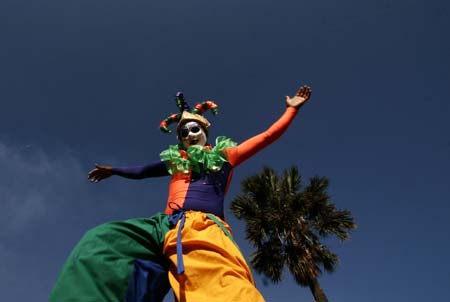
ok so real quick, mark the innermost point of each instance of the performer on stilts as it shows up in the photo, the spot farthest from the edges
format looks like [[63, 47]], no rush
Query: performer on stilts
[[190, 247]]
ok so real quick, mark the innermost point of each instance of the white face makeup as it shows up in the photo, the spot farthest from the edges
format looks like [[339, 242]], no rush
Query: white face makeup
[[192, 134]]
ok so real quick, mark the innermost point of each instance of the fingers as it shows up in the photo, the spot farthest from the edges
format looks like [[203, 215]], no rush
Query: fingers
[[308, 91], [300, 98], [95, 179], [94, 175], [304, 91], [99, 173], [92, 172]]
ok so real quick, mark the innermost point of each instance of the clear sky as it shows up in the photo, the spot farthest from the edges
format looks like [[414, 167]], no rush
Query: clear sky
[[89, 81]]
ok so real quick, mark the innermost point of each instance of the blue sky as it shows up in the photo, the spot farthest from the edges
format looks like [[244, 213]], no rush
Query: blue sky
[[89, 81]]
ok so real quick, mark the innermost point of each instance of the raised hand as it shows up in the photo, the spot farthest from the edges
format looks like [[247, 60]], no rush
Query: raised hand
[[300, 97], [99, 173]]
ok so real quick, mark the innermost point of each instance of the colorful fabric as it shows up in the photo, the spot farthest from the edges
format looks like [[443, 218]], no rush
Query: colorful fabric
[[148, 282], [128, 261], [196, 158], [215, 270], [237, 155], [205, 190], [100, 267], [110, 260], [156, 169]]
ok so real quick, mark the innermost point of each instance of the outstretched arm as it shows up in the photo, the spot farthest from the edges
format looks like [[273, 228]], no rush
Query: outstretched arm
[[138, 172], [237, 155]]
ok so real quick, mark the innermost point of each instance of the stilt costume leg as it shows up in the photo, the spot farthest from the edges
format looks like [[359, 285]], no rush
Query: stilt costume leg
[[117, 261], [215, 270]]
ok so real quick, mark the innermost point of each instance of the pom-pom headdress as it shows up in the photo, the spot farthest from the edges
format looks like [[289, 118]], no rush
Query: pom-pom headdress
[[187, 115]]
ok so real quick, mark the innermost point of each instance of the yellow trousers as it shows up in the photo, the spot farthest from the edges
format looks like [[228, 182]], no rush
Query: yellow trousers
[[215, 270]]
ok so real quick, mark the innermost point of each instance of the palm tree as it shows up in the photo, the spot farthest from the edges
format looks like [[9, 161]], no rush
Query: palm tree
[[285, 225]]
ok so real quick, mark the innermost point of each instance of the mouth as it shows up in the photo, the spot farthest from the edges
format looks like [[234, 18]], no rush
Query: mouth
[[193, 142]]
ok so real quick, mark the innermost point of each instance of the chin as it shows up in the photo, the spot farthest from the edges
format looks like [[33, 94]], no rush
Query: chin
[[195, 144]]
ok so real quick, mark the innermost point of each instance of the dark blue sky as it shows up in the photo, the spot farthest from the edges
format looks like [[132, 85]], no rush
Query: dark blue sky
[[89, 81]]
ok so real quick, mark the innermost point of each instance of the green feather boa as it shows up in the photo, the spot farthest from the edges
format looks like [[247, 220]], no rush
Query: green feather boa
[[199, 157]]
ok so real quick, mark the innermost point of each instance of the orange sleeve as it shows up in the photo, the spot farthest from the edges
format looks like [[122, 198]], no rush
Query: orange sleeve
[[237, 155]]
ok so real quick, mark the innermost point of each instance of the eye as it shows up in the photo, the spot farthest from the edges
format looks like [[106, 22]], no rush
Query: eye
[[195, 129], [184, 133]]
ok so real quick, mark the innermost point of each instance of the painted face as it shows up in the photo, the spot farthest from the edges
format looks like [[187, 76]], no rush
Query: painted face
[[192, 134]]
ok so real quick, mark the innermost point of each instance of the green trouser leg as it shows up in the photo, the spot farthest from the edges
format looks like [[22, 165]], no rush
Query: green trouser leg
[[100, 266]]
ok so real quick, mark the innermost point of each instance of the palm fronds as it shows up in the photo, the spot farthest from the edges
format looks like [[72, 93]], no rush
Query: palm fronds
[[285, 222]]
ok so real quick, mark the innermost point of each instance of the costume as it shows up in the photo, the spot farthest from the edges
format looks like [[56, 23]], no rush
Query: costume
[[127, 261]]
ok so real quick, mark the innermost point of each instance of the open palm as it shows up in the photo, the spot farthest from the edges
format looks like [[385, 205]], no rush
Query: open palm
[[99, 173], [301, 97]]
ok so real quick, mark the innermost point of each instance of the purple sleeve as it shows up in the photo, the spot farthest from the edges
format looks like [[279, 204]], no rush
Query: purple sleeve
[[156, 169]]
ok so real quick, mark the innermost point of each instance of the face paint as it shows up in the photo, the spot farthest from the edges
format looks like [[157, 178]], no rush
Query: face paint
[[192, 134]]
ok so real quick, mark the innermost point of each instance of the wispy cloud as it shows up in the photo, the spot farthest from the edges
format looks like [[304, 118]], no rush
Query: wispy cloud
[[31, 185]]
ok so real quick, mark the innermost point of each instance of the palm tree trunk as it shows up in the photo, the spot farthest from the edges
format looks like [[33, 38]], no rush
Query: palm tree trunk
[[317, 291]]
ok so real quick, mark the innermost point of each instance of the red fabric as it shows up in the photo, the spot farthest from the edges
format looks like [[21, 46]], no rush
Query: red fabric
[[250, 147]]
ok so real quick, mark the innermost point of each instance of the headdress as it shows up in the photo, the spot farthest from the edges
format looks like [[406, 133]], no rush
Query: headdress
[[187, 115]]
